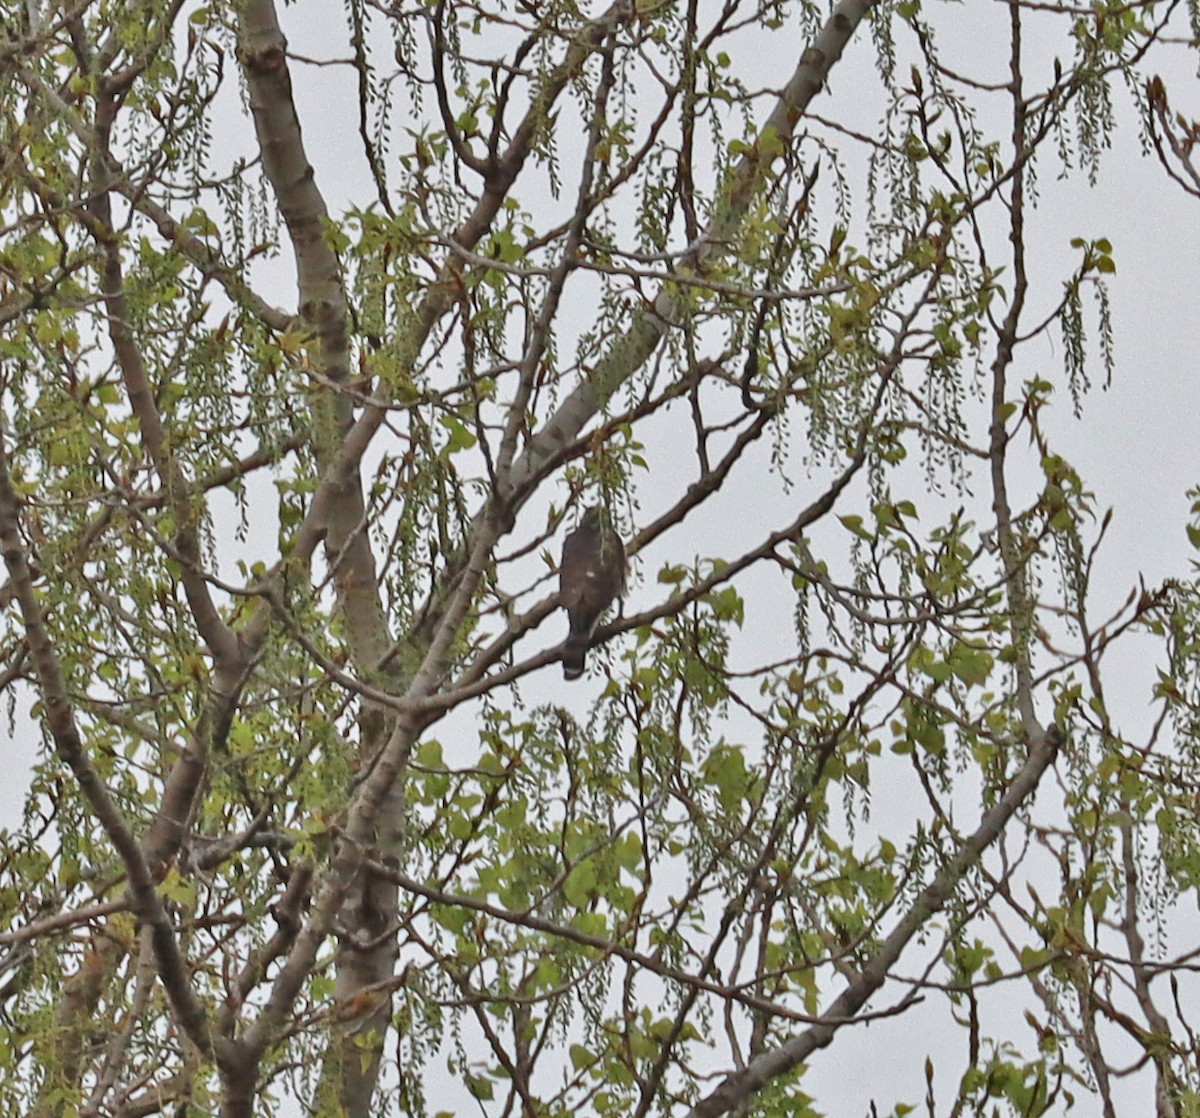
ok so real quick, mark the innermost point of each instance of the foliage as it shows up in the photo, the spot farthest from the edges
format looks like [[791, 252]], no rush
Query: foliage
[[308, 364]]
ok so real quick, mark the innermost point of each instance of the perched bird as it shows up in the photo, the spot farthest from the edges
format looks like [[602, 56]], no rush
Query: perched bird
[[591, 575]]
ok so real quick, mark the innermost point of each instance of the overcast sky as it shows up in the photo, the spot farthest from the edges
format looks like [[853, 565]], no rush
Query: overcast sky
[[1136, 446]]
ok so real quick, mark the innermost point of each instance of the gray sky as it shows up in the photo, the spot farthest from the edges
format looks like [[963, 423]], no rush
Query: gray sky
[[1135, 447]]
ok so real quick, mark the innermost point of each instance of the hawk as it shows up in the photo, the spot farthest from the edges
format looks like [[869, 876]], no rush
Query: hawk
[[591, 575]]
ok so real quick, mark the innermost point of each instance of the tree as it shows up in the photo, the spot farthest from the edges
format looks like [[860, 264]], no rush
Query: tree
[[284, 481]]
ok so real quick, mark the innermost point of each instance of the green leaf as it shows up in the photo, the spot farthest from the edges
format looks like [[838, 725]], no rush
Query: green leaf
[[855, 525], [460, 437], [481, 1087], [581, 882]]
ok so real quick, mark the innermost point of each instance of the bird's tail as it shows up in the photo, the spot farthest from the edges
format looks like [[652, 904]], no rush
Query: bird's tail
[[574, 654]]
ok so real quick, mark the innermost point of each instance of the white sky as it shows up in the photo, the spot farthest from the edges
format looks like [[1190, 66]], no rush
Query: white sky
[[1136, 446]]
